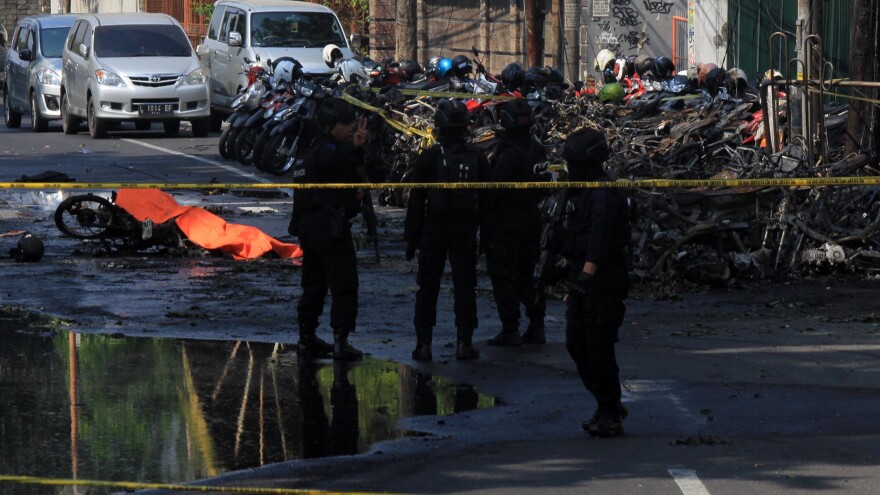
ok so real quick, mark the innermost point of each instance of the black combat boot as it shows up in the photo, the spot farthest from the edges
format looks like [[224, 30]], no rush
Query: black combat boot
[[534, 335], [464, 347], [508, 337], [422, 352], [342, 350], [590, 424], [310, 346]]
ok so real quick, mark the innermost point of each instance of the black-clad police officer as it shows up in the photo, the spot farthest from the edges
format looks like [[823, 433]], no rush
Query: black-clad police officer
[[321, 219], [596, 243], [445, 222], [514, 248]]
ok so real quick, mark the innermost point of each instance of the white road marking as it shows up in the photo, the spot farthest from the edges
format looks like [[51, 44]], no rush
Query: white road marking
[[688, 482], [228, 168]]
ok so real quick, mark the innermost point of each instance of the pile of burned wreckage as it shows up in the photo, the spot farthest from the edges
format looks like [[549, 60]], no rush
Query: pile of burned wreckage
[[717, 235]]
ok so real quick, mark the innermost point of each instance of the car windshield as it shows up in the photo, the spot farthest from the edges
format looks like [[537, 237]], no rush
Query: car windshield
[[302, 29], [141, 41], [52, 41]]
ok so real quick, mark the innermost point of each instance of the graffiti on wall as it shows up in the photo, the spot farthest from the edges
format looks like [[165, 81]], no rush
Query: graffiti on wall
[[658, 7]]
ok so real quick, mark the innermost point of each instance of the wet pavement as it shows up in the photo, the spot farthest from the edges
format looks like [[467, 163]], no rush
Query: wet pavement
[[171, 411]]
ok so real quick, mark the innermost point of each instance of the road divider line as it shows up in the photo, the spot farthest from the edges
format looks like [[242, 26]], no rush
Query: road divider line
[[688, 482]]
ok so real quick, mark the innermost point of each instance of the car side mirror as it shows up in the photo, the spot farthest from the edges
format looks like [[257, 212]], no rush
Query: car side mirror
[[83, 50], [202, 50], [356, 40], [235, 38], [26, 55]]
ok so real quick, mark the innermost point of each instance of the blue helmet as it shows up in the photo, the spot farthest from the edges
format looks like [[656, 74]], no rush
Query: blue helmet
[[443, 67]]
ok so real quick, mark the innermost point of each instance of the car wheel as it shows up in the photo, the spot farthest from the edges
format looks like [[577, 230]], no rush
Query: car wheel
[[200, 127], [143, 125], [216, 121], [97, 127], [69, 123], [172, 127], [38, 122], [10, 116]]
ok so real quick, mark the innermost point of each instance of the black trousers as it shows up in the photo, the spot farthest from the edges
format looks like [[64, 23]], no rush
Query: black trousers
[[329, 264], [511, 264], [591, 330], [457, 238]]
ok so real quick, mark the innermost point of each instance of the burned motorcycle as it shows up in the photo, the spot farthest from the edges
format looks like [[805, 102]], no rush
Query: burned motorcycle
[[95, 218]]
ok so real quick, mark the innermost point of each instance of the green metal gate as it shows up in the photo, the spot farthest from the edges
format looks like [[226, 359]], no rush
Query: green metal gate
[[752, 22]]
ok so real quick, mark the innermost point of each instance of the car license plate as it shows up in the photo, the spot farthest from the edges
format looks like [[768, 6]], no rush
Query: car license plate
[[156, 109]]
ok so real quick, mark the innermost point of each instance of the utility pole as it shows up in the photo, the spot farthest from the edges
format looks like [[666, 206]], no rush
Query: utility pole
[[802, 27], [863, 132], [534, 33]]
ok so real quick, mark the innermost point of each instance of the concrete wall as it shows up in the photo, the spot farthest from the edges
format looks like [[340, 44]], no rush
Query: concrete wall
[[628, 27], [99, 6], [445, 28]]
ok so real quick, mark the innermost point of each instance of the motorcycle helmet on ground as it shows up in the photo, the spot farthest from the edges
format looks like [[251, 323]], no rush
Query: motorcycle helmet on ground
[[715, 80], [450, 113], [28, 249], [333, 110], [286, 69], [332, 55], [444, 65], [663, 67], [513, 75], [738, 81], [702, 71], [431, 68], [535, 78], [353, 71], [461, 66], [515, 114], [604, 58], [612, 93], [643, 64], [411, 68], [619, 70]]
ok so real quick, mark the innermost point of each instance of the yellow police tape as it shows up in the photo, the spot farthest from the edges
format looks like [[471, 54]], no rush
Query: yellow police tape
[[640, 184], [129, 486], [428, 136]]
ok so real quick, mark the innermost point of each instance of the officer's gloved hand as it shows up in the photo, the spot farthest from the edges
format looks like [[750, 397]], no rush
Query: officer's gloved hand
[[411, 251], [579, 283]]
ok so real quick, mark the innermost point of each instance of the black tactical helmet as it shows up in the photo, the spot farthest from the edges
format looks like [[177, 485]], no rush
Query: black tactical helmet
[[334, 110], [715, 80], [461, 66], [450, 113], [585, 150], [513, 75], [29, 249], [515, 114], [663, 67]]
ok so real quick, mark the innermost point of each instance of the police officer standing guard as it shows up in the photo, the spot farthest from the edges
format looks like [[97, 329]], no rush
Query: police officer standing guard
[[514, 248], [441, 222], [595, 241], [321, 221]]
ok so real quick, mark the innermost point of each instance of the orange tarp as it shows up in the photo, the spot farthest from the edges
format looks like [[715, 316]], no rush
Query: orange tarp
[[203, 227]]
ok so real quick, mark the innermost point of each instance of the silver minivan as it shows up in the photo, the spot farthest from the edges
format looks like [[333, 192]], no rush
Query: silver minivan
[[33, 70], [132, 67], [243, 31]]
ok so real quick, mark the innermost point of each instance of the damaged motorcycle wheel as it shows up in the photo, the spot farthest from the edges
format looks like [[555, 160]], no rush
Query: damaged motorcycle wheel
[[85, 217]]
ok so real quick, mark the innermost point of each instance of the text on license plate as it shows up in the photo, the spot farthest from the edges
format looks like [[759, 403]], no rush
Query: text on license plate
[[156, 108]]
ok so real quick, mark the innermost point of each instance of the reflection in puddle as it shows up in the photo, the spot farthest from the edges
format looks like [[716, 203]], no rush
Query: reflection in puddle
[[158, 410]]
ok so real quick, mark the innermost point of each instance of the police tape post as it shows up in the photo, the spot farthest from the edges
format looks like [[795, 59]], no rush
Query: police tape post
[[638, 184]]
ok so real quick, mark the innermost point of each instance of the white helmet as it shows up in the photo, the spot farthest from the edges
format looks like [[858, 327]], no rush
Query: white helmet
[[332, 54], [286, 70], [353, 71], [603, 58]]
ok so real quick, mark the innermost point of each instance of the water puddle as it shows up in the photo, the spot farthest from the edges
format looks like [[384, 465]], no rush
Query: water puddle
[[171, 411]]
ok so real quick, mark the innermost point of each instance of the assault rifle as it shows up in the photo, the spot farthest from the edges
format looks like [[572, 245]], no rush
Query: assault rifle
[[551, 268]]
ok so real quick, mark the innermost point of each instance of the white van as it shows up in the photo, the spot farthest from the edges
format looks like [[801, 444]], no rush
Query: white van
[[242, 31]]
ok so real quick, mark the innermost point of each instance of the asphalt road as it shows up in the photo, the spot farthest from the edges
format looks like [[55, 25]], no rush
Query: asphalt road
[[762, 388]]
